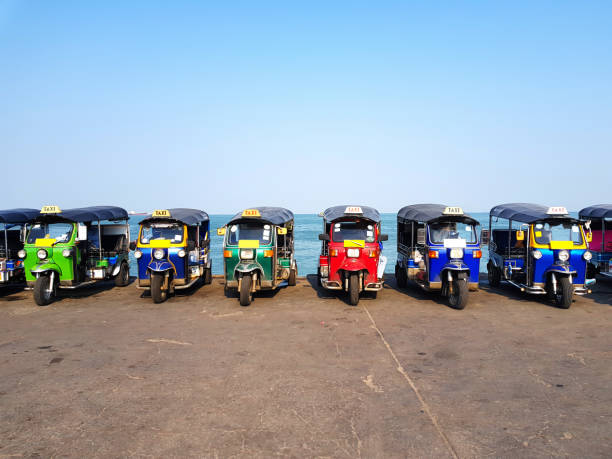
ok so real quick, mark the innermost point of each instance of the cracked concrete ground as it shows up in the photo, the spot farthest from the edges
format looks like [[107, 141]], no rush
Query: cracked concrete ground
[[299, 373]]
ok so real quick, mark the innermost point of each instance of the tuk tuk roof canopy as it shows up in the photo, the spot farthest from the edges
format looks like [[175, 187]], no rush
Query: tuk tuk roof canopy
[[186, 216], [430, 212], [526, 213], [596, 211], [337, 212], [274, 215], [86, 214], [18, 215]]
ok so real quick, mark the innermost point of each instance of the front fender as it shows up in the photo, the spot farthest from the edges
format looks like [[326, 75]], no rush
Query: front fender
[[352, 264], [46, 267], [160, 266], [454, 266], [561, 269], [247, 267]]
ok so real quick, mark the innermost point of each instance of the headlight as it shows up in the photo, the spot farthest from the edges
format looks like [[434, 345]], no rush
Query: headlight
[[137, 254], [352, 253], [181, 253], [66, 253], [158, 254], [536, 254], [456, 253], [42, 254], [247, 254], [563, 255], [21, 254], [587, 255]]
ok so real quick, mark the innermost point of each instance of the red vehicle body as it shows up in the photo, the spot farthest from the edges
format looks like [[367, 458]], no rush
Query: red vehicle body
[[351, 250]]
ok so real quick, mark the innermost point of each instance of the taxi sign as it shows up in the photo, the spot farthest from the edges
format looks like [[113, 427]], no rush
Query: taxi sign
[[557, 211], [353, 210], [50, 210], [162, 213], [251, 213], [452, 211]]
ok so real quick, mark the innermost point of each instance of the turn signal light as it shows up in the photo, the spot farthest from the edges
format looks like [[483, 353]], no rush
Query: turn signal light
[[433, 254], [477, 253], [268, 253], [333, 253], [227, 254], [372, 253]]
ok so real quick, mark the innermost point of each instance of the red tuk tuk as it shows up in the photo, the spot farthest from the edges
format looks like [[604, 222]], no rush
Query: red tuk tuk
[[351, 258]]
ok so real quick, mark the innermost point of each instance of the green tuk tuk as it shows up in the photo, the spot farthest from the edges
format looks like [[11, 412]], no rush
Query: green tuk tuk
[[72, 248], [258, 251]]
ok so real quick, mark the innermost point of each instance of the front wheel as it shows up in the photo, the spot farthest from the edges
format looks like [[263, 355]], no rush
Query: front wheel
[[245, 290], [565, 293], [354, 289], [158, 293], [123, 277], [458, 297], [44, 292]]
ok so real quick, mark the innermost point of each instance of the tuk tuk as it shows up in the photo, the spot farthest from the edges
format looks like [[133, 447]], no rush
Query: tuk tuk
[[438, 249], [68, 249], [600, 217], [351, 252], [258, 251], [172, 251], [14, 224], [540, 250]]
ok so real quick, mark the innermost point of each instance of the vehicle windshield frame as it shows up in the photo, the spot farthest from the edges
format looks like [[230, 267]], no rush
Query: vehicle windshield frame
[[253, 227], [367, 226], [555, 223], [46, 226], [161, 224], [457, 223]]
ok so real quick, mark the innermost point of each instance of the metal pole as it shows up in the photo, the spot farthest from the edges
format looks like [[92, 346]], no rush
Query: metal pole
[[100, 239], [509, 236], [6, 243]]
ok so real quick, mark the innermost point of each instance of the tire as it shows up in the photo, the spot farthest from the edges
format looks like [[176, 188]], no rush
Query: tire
[[494, 275], [207, 276], [245, 290], [42, 295], [292, 278], [319, 282], [354, 289], [458, 299], [123, 277], [400, 277], [565, 293], [158, 294]]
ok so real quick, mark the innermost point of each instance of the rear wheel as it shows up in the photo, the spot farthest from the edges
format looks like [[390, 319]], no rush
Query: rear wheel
[[565, 293], [400, 276], [44, 292], [123, 277], [158, 293], [292, 277], [207, 276], [245, 290], [458, 298], [494, 275], [354, 289]]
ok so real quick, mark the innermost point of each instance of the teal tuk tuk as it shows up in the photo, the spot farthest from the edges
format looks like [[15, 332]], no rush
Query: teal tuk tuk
[[14, 224]]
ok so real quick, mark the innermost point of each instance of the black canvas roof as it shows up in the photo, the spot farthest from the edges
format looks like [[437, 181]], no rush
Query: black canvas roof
[[274, 215], [524, 212], [87, 214], [430, 212], [17, 215], [336, 212], [596, 211], [185, 216]]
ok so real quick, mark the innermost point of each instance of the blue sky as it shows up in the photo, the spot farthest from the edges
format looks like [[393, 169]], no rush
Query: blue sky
[[226, 105]]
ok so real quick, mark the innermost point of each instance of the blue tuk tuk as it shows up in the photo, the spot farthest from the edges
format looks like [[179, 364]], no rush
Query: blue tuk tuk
[[14, 223], [540, 250], [600, 216], [438, 249], [172, 251]]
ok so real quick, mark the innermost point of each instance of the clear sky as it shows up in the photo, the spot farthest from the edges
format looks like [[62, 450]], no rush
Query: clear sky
[[226, 105]]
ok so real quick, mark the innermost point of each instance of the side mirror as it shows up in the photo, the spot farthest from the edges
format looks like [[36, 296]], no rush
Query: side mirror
[[383, 237], [324, 237], [485, 236], [589, 237], [421, 236], [520, 235], [191, 245], [22, 234], [281, 230], [221, 231], [132, 245]]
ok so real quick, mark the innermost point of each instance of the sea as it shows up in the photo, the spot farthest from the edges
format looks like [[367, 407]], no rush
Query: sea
[[307, 244]]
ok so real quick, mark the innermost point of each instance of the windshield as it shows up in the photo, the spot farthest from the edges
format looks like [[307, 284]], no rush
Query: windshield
[[566, 232], [356, 231], [249, 232], [172, 232], [452, 230], [61, 232]]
